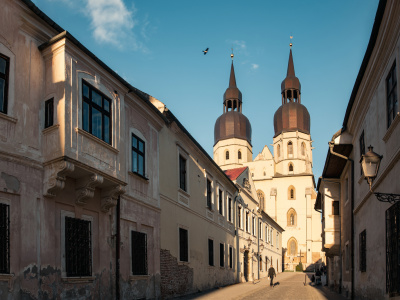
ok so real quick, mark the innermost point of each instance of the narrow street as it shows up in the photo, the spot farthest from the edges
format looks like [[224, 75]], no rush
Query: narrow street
[[288, 286]]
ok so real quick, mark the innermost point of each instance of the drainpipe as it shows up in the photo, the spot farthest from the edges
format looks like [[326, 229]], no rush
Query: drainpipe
[[331, 145], [117, 249], [237, 239]]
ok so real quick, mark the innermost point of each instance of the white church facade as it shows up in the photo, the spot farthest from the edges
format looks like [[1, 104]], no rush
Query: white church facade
[[283, 179]]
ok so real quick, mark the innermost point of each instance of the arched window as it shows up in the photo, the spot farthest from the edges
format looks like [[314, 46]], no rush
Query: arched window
[[292, 246], [290, 167], [290, 148], [291, 193], [261, 199], [239, 155], [227, 154], [291, 217], [278, 150], [303, 149]]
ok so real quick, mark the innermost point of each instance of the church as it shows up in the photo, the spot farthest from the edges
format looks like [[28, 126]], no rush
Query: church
[[284, 180]]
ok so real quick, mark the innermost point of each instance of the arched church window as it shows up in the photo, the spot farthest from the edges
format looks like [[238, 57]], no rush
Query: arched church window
[[303, 149], [261, 199], [290, 148], [290, 167], [227, 155], [278, 150], [291, 193], [292, 246], [239, 155], [291, 217]]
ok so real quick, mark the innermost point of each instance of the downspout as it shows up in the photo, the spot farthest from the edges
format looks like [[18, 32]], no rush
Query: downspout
[[117, 249], [331, 145], [237, 240]]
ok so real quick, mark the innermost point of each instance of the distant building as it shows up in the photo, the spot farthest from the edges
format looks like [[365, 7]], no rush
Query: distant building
[[361, 236], [284, 183]]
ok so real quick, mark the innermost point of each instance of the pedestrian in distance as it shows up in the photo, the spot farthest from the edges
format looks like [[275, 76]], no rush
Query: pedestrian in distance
[[271, 275]]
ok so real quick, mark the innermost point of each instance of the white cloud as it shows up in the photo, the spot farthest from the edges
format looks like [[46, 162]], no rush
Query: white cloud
[[254, 66], [240, 44], [112, 21]]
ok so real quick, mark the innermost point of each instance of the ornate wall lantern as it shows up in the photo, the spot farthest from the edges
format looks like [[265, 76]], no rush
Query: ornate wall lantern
[[370, 162]]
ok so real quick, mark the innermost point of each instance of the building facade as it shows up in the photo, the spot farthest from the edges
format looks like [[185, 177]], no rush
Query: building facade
[[283, 181], [361, 234], [79, 185]]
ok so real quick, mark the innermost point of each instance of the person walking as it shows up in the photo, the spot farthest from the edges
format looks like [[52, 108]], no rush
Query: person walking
[[271, 275]]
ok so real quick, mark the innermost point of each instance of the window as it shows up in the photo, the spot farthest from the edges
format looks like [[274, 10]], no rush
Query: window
[[230, 209], [4, 238], [261, 199], [271, 236], [290, 148], [268, 239], [78, 247], [291, 217], [220, 202], [209, 193], [227, 155], [335, 208], [183, 245], [182, 173], [240, 217], [291, 193], [48, 113], [247, 222], [254, 225], [292, 245], [278, 150], [277, 240], [363, 251], [391, 90], [221, 255], [260, 263], [239, 155], [303, 149], [230, 257], [210, 252], [96, 113], [139, 253], [260, 229], [4, 72], [290, 167], [393, 250], [138, 155]]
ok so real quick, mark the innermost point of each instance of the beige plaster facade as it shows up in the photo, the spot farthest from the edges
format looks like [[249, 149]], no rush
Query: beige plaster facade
[[361, 247]]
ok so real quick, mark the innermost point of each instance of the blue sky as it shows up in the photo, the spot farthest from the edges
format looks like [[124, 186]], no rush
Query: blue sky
[[157, 46]]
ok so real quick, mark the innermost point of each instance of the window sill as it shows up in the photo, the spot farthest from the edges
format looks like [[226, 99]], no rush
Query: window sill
[[184, 192], [183, 263], [8, 118], [96, 139], [138, 175], [138, 277], [50, 128], [78, 279], [391, 128]]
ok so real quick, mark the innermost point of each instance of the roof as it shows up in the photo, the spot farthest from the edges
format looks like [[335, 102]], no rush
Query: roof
[[233, 174], [367, 56]]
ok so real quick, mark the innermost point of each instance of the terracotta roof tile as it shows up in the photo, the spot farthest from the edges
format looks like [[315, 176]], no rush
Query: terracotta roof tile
[[234, 173]]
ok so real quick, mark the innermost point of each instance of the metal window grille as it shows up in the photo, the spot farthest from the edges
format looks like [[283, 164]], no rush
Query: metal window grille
[[139, 253], [183, 245], [4, 238], [393, 250], [210, 252], [182, 172], [138, 155], [363, 251], [227, 155], [49, 113], [209, 194], [391, 88], [78, 247], [221, 255]]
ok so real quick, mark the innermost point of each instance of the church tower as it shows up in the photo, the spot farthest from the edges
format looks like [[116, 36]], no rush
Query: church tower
[[232, 131], [292, 139]]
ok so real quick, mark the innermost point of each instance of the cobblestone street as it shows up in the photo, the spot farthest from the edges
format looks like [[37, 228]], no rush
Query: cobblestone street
[[291, 286]]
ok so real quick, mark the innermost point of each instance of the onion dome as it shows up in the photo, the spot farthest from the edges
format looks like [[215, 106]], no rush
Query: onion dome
[[291, 115], [232, 123]]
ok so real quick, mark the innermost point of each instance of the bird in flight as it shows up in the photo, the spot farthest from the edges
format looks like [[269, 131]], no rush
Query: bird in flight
[[205, 51]]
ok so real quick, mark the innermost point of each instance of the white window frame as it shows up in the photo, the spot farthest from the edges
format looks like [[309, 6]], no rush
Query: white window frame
[[229, 196], [182, 152], [11, 81], [210, 178]]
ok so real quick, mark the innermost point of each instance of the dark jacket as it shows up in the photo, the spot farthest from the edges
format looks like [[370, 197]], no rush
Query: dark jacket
[[271, 272]]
